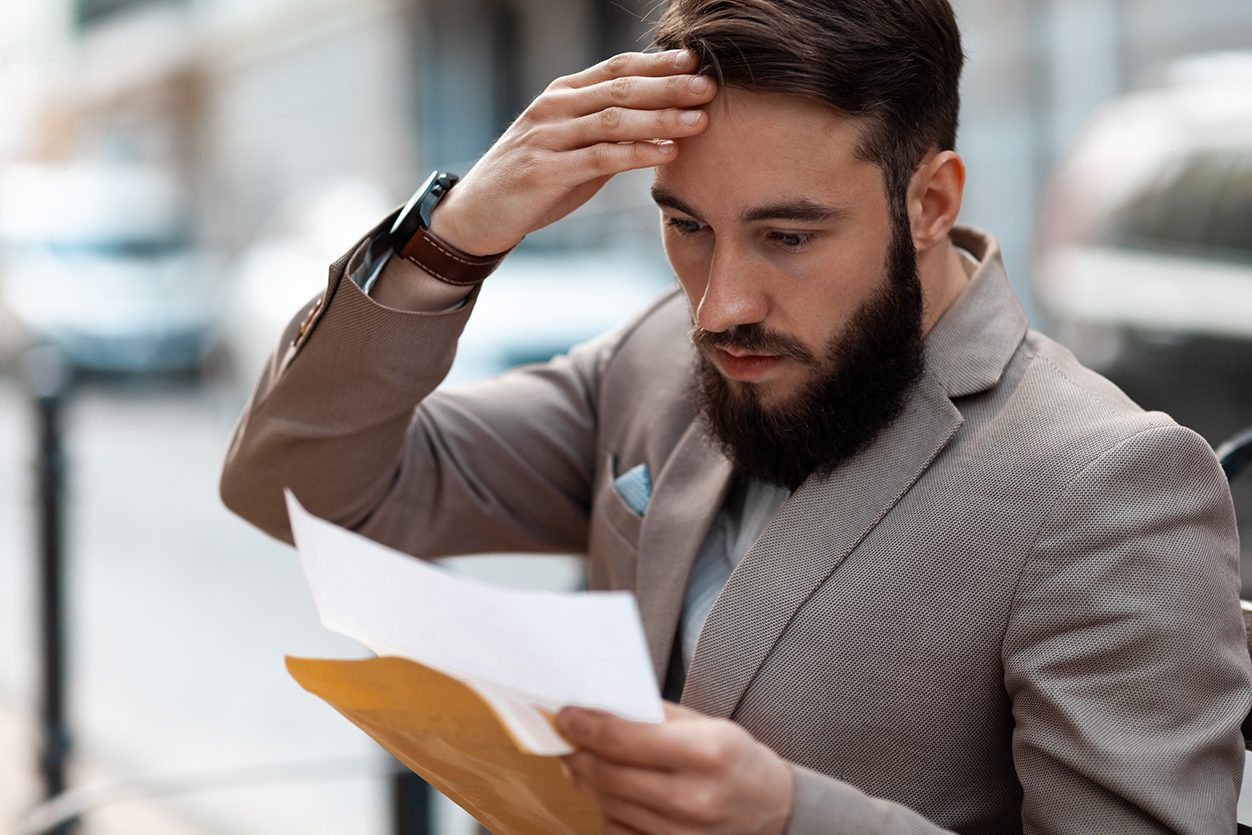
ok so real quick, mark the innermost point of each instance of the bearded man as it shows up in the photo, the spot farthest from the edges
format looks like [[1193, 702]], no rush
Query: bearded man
[[906, 565]]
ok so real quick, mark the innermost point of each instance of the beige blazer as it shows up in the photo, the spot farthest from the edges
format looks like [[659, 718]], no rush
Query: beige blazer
[[1015, 612]]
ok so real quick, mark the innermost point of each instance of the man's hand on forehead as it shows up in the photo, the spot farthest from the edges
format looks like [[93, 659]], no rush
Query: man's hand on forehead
[[622, 114]]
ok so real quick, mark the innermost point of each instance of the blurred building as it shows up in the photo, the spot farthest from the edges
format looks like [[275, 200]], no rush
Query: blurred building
[[256, 100], [252, 101]]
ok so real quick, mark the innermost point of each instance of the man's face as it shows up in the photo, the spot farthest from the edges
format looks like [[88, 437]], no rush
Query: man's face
[[806, 304]]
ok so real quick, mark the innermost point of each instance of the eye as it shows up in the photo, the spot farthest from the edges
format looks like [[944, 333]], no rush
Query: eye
[[683, 226], [792, 240]]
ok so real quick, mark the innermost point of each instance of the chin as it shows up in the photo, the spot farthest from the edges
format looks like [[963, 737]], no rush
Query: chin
[[770, 396]]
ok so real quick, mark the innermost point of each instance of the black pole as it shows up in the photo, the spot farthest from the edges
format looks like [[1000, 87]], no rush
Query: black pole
[[47, 380], [601, 29], [411, 806], [1236, 454]]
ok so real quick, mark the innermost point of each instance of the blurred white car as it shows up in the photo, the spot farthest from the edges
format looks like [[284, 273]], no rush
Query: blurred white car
[[97, 258], [1147, 227], [538, 304]]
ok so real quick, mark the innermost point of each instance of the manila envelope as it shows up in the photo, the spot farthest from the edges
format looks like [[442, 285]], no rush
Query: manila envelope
[[448, 736]]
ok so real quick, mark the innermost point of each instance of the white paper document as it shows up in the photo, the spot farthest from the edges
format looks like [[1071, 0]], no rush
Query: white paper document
[[525, 652]]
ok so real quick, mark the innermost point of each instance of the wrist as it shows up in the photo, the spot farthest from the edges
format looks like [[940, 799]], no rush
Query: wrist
[[428, 232], [446, 228], [451, 224], [787, 797]]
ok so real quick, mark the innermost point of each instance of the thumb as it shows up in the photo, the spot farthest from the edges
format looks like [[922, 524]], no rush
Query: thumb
[[676, 712]]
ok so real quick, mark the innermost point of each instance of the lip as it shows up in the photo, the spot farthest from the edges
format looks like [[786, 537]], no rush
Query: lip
[[746, 368]]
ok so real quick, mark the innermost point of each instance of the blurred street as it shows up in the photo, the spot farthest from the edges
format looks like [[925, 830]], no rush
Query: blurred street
[[176, 610]]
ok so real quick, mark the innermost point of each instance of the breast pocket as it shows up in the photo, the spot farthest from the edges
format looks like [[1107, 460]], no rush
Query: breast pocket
[[613, 547]]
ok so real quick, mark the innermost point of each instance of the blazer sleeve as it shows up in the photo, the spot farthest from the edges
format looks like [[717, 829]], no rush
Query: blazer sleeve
[[346, 415], [1125, 655]]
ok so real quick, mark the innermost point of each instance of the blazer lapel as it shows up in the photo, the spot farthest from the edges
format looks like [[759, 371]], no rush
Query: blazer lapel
[[686, 497], [818, 526]]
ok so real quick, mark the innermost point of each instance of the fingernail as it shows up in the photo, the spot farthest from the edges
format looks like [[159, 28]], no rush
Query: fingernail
[[682, 57], [699, 84], [689, 117], [665, 146]]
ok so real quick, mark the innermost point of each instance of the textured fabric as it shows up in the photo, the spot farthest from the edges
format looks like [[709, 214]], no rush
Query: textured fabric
[[1015, 611]]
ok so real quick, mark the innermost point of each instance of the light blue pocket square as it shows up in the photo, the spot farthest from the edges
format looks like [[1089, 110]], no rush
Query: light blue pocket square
[[635, 488]]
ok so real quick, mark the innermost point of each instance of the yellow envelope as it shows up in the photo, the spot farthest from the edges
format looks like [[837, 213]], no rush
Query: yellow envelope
[[453, 740]]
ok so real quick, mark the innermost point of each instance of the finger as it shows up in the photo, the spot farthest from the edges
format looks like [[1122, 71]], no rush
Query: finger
[[609, 158], [675, 711], [637, 93], [620, 125], [650, 64], [623, 816], [646, 787], [613, 827], [664, 745]]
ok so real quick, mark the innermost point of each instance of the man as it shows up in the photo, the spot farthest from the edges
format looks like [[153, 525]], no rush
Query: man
[[908, 565]]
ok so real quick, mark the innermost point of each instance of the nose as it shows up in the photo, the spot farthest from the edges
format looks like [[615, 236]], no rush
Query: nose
[[732, 295]]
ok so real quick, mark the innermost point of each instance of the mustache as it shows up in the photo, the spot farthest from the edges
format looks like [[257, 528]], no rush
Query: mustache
[[753, 339]]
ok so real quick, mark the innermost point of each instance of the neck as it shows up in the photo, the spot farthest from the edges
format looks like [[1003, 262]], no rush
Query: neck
[[943, 276]]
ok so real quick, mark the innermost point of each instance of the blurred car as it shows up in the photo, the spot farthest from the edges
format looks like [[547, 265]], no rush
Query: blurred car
[[1147, 226], [97, 258]]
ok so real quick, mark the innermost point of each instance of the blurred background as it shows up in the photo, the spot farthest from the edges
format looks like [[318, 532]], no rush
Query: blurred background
[[175, 175]]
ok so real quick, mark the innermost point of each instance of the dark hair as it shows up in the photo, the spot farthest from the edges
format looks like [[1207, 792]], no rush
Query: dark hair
[[895, 63]]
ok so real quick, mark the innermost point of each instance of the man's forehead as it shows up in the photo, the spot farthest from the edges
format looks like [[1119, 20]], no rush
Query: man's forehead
[[762, 150], [785, 124]]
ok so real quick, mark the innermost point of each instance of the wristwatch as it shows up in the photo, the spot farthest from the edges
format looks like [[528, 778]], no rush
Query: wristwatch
[[411, 237]]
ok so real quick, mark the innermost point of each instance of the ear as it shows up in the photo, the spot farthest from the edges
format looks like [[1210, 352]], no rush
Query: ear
[[935, 195]]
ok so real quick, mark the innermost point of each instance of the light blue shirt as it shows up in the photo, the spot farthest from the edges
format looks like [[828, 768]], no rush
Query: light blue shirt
[[739, 524]]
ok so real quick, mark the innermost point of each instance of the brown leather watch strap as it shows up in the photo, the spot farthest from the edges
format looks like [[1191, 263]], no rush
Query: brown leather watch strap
[[446, 263]]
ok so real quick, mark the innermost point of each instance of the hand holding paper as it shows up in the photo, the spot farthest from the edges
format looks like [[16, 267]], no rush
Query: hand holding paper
[[525, 654]]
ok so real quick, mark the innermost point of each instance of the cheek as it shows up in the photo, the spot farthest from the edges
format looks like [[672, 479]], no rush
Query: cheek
[[817, 306], [690, 266]]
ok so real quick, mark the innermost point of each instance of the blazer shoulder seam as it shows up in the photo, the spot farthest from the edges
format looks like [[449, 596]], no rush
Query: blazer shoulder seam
[[1077, 386]]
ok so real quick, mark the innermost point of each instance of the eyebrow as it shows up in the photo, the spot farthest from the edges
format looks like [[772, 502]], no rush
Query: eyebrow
[[800, 209]]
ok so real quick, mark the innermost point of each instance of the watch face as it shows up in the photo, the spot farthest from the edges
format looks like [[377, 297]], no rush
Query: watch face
[[436, 186], [425, 187], [416, 213], [407, 216]]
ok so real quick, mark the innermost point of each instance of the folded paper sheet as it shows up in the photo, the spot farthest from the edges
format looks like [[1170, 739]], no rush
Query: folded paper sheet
[[471, 674]]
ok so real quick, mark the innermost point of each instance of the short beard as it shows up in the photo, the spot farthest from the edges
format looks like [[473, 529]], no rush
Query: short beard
[[858, 388]]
